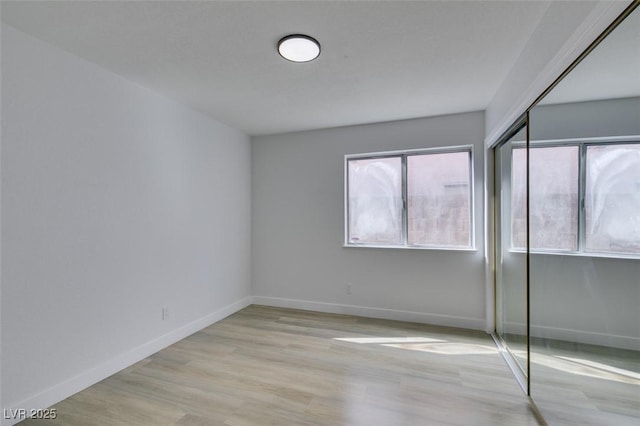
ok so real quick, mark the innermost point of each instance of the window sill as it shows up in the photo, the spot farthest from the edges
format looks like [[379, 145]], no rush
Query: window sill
[[461, 249], [580, 254]]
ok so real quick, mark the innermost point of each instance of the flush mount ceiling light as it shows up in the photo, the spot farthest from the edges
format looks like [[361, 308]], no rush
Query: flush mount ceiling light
[[299, 48]]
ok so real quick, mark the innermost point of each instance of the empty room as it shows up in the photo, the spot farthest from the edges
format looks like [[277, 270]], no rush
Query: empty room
[[320, 213]]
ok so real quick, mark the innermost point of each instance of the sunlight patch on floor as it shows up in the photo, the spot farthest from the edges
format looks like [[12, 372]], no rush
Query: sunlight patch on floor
[[383, 340], [447, 348], [424, 344], [583, 367]]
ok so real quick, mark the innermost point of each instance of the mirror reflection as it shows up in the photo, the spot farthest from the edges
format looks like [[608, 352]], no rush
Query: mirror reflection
[[584, 222], [511, 243]]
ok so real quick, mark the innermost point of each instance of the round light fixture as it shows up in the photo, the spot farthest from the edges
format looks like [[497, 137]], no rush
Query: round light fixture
[[299, 48]]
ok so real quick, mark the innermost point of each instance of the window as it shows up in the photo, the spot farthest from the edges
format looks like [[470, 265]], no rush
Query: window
[[553, 198], [413, 198], [612, 199], [584, 197], [375, 201]]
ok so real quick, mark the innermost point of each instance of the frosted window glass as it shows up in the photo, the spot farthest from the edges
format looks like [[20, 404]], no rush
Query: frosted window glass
[[612, 198], [439, 198], [519, 198], [553, 198], [375, 201]]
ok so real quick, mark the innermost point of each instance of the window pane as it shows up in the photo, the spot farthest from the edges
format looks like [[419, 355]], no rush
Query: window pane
[[439, 196], [375, 201], [519, 198], [553, 202], [612, 198]]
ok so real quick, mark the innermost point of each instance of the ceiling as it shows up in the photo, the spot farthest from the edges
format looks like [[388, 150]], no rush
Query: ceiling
[[380, 61]]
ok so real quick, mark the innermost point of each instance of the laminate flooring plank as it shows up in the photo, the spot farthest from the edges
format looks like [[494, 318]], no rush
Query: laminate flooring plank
[[273, 366]]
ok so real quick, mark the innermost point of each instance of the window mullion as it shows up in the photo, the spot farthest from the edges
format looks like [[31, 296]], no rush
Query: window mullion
[[472, 219], [405, 203], [582, 184]]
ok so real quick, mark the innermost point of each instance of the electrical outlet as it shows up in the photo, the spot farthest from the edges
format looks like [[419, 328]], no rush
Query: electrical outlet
[[348, 288], [165, 313]]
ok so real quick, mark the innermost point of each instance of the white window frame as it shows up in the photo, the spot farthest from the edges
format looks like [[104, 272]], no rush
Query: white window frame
[[582, 144], [403, 154]]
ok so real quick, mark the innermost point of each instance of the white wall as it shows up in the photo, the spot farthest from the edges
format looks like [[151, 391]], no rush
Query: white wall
[[115, 202], [298, 229], [586, 299], [583, 299], [593, 119]]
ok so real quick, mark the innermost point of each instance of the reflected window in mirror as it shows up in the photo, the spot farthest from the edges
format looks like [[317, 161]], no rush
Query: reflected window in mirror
[[597, 181], [612, 198]]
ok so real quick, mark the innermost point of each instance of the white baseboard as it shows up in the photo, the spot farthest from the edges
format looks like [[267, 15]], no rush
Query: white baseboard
[[588, 337], [65, 389], [364, 311], [578, 336]]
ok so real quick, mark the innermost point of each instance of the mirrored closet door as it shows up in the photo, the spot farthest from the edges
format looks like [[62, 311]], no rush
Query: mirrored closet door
[[567, 221], [584, 219], [511, 255]]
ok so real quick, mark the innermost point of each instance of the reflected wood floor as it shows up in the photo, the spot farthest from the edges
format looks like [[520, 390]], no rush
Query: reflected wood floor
[[272, 366], [576, 384]]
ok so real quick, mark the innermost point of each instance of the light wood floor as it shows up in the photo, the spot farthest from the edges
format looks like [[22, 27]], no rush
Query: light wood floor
[[271, 366]]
